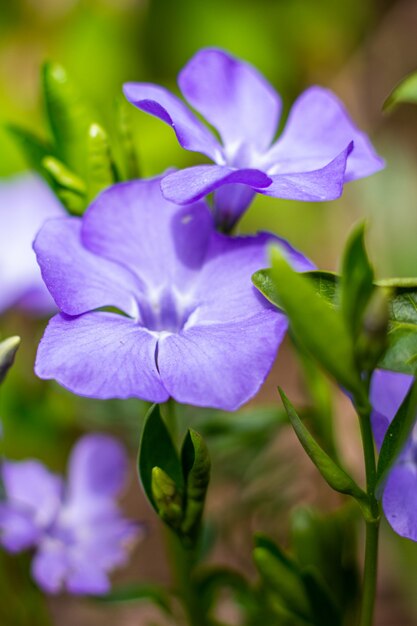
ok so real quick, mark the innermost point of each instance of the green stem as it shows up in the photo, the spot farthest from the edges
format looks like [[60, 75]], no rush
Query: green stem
[[370, 573], [181, 558], [372, 525]]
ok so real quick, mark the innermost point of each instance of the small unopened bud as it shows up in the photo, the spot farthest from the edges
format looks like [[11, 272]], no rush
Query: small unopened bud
[[168, 498], [8, 349]]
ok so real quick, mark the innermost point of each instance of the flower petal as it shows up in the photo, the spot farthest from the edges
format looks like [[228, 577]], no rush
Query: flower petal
[[318, 129], [228, 269], [97, 468], [25, 203], [133, 225], [317, 186], [100, 355], [232, 96], [400, 500], [193, 183], [18, 530], [50, 566], [78, 280], [221, 365], [33, 489], [388, 390], [159, 102]]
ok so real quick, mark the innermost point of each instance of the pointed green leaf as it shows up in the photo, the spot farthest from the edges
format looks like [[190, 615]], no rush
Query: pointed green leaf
[[34, 149], [319, 328], [196, 469], [157, 450], [401, 355], [101, 170], [68, 115], [280, 574], [357, 280], [405, 91], [334, 475], [127, 144], [137, 592], [8, 349], [397, 434], [69, 188]]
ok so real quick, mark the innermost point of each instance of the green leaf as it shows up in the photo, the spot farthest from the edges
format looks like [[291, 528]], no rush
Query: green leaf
[[397, 434], [320, 329], [280, 574], [101, 170], [129, 155], [157, 450], [69, 188], [68, 115], [8, 349], [326, 284], [137, 593], [335, 476], [405, 91], [357, 280], [401, 355], [196, 470], [33, 148]]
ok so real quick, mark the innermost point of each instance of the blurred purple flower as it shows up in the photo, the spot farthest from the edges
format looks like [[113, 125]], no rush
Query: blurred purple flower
[[319, 150], [193, 328], [77, 530], [25, 203], [399, 499]]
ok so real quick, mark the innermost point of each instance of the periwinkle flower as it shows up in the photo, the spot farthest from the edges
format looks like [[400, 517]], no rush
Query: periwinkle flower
[[189, 324], [76, 529], [25, 203], [319, 150], [399, 499]]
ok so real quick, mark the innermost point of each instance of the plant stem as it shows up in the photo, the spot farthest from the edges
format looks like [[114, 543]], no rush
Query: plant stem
[[372, 525], [181, 558]]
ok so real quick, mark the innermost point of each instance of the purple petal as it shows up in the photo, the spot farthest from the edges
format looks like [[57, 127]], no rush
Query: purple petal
[[133, 225], [25, 203], [78, 280], [33, 489], [18, 530], [317, 186], [50, 566], [221, 365], [229, 204], [228, 270], [87, 578], [97, 468], [388, 390], [159, 102], [400, 500], [193, 183], [101, 355], [318, 129], [233, 97]]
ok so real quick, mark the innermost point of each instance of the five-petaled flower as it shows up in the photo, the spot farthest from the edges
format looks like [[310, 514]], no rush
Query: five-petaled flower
[[77, 529], [192, 326], [25, 203], [319, 150], [399, 498]]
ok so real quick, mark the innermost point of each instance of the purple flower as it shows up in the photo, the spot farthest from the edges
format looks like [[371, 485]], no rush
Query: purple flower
[[192, 325], [77, 530], [25, 203], [319, 150], [399, 499]]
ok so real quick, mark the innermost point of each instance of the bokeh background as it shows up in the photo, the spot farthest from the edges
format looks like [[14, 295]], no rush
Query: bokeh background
[[360, 49]]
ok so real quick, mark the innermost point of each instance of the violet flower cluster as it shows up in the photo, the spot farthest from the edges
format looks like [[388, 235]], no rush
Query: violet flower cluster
[[76, 529], [319, 150], [399, 497]]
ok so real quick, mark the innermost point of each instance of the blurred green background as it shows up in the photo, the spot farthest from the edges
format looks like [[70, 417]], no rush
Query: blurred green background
[[359, 48]]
